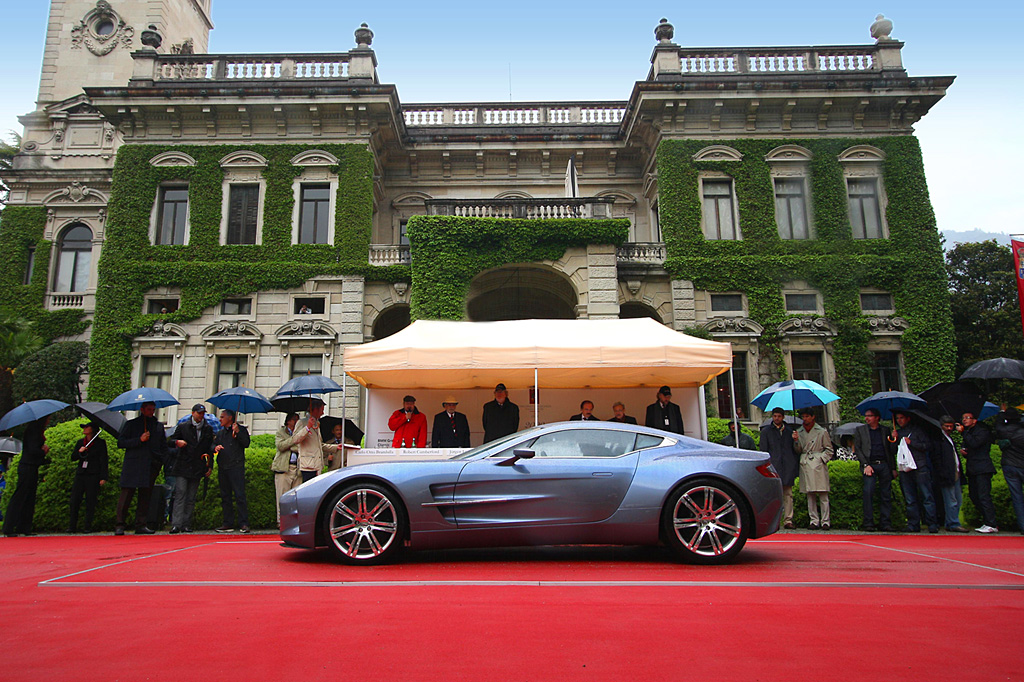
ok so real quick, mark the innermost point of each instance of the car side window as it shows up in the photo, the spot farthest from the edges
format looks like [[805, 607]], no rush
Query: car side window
[[584, 443], [644, 441]]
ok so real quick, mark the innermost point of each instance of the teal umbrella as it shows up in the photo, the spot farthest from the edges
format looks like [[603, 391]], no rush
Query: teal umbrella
[[792, 395]]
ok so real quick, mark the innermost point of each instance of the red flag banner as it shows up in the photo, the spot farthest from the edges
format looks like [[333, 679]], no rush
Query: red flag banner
[[1018, 257]]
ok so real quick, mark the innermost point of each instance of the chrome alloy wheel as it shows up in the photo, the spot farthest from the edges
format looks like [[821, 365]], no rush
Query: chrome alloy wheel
[[363, 524], [707, 521]]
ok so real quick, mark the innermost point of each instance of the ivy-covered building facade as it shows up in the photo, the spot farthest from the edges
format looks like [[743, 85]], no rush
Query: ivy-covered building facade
[[210, 220]]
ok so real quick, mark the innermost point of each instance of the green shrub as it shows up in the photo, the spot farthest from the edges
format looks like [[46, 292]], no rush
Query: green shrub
[[719, 429], [53, 496], [845, 505]]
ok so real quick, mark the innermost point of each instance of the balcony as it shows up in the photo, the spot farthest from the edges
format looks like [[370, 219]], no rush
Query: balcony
[[530, 209], [62, 301], [520, 114], [386, 254], [252, 69], [641, 253]]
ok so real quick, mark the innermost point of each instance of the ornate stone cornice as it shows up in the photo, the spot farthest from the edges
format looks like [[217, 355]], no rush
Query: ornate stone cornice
[[733, 326], [807, 326], [887, 325]]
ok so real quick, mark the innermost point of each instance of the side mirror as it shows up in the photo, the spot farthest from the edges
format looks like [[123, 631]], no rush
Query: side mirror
[[516, 456]]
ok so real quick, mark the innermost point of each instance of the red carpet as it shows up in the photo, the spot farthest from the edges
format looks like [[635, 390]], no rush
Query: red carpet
[[797, 607]]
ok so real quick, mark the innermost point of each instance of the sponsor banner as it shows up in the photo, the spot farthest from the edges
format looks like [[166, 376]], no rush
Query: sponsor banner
[[1018, 258]]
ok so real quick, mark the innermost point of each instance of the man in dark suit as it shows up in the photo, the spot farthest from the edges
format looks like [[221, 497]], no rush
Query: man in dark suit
[[977, 450], [586, 413], [451, 428], [21, 509], [229, 445], [619, 411], [877, 457], [664, 414], [916, 483], [501, 415], [91, 462], [194, 460], [144, 442]]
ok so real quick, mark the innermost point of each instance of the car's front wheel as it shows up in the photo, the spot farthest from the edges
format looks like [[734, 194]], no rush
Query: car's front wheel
[[706, 522], [364, 524]]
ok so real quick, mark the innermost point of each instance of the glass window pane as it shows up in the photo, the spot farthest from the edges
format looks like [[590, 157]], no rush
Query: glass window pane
[[243, 212], [725, 399], [156, 372], [82, 260], [307, 364], [584, 443], [231, 371], [236, 306], [726, 303], [876, 302], [801, 302], [885, 374], [173, 214]]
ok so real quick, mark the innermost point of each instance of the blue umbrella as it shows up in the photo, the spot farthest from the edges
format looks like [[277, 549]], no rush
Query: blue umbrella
[[137, 397], [308, 384], [29, 412], [210, 419], [241, 399], [887, 401], [792, 395], [988, 410]]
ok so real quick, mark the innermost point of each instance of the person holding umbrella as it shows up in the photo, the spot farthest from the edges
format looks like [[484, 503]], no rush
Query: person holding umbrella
[[313, 452], [144, 442], [194, 439], [814, 446], [977, 450], [22, 508], [229, 445], [877, 457], [91, 471], [777, 441], [286, 462], [1010, 432], [916, 483]]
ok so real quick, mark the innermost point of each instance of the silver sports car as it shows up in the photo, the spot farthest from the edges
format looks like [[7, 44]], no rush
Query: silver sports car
[[562, 483]]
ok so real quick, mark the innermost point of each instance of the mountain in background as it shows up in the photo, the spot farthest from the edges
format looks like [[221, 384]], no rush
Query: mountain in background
[[954, 237]]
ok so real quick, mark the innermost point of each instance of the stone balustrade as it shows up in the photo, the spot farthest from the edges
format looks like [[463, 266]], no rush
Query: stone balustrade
[[357, 64], [60, 301], [648, 253], [771, 61], [534, 209], [581, 113], [385, 254]]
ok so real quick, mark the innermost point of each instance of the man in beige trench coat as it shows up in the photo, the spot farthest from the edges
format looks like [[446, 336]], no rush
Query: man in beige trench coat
[[814, 446]]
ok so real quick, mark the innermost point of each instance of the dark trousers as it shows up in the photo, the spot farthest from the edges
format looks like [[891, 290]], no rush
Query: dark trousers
[[22, 507], [1015, 482], [917, 491], [308, 475], [142, 508], [881, 481], [979, 488], [87, 485], [232, 484]]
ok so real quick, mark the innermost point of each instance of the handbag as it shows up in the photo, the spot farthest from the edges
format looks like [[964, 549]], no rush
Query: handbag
[[904, 459]]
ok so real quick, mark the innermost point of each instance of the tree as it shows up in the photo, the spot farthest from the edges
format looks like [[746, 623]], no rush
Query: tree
[[55, 372], [986, 312], [18, 340], [7, 152]]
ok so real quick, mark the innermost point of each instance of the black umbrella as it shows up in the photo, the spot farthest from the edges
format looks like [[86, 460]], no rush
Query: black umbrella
[[111, 422], [953, 398], [290, 403], [996, 368], [843, 430], [352, 431], [788, 419]]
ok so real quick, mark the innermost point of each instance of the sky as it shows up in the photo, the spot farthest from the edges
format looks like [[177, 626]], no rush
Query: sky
[[570, 50]]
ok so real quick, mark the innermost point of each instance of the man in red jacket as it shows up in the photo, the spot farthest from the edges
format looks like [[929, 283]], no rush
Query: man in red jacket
[[409, 425]]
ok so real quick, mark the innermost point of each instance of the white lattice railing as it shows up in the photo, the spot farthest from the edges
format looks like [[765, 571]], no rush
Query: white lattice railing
[[390, 255], [535, 209], [641, 252], [609, 113], [778, 60], [249, 67], [66, 301]]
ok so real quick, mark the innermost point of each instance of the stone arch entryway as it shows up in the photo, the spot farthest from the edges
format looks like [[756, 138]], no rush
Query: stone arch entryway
[[521, 292]]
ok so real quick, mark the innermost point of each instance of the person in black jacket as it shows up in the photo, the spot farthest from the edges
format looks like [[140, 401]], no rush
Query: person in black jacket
[[877, 457], [947, 474], [501, 415], [451, 428], [22, 508], [916, 483], [664, 414], [777, 441], [619, 414], [193, 461], [977, 450], [1011, 436], [230, 444], [586, 413], [144, 442], [91, 462]]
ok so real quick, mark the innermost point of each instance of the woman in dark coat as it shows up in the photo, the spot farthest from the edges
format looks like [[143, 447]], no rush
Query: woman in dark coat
[[23, 502]]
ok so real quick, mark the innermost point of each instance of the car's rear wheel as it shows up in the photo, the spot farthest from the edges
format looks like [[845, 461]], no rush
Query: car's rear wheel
[[364, 524], [706, 522]]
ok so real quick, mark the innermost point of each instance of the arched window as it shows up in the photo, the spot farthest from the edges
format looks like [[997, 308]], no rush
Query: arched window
[[74, 259]]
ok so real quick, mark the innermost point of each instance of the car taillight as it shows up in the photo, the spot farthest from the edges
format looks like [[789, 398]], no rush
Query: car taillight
[[767, 470]]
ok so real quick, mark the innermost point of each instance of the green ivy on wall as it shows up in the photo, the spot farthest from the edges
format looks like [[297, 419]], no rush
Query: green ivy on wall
[[448, 252], [206, 271], [909, 263], [22, 229]]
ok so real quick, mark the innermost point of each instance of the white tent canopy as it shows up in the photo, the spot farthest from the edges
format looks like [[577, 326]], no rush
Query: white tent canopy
[[560, 353]]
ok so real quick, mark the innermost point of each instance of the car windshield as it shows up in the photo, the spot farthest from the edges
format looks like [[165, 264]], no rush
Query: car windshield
[[495, 445]]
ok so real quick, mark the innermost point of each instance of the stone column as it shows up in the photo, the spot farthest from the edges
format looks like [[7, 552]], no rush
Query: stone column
[[350, 332], [603, 282], [683, 309]]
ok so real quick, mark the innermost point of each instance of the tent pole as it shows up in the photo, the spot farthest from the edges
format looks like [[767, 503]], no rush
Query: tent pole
[[735, 417], [536, 399], [366, 409], [344, 413]]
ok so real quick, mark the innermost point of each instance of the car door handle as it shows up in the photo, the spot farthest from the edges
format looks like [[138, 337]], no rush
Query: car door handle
[[601, 473]]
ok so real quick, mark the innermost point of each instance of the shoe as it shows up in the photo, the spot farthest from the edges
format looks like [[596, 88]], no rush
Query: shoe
[[174, 530], [224, 529], [986, 529], [186, 529], [933, 529], [30, 535], [911, 529], [868, 529], [70, 531], [825, 526], [119, 531], [814, 526], [243, 529], [145, 530], [957, 529], [789, 525], [89, 530], [11, 535], [886, 529]]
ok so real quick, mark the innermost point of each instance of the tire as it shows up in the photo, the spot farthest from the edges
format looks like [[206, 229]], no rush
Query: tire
[[364, 525], [706, 522]]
